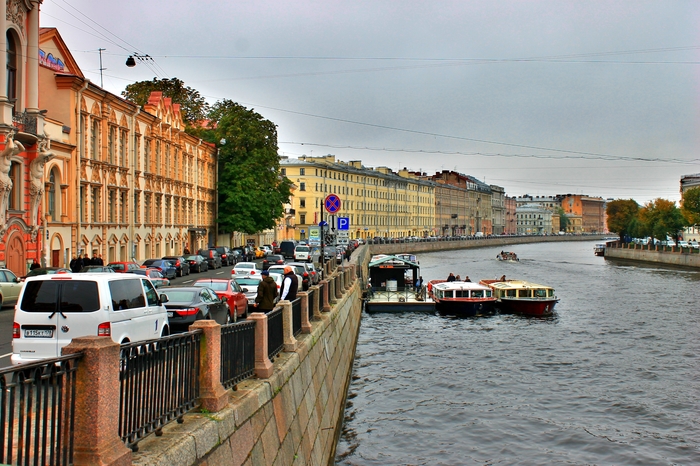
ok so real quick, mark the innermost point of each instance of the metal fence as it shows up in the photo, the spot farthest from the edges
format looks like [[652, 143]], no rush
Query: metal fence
[[159, 382], [311, 304], [275, 332], [296, 316], [237, 352], [38, 412]]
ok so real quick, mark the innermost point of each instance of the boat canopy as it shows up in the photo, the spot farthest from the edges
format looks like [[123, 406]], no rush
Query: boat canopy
[[389, 271]]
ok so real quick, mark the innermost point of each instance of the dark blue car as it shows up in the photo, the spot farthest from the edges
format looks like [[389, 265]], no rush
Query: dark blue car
[[166, 267]]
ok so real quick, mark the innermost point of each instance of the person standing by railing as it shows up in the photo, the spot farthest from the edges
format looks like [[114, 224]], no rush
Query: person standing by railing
[[267, 292]]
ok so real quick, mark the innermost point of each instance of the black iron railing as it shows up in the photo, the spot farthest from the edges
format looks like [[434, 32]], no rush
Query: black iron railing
[[25, 122], [275, 332], [38, 412], [237, 352], [310, 302], [159, 382], [296, 316]]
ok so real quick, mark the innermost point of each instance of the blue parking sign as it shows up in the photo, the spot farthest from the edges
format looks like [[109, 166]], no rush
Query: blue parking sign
[[343, 223]]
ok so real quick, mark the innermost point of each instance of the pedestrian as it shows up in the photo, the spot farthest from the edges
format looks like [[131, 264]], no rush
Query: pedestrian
[[186, 251], [35, 265], [267, 292], [290, 284], [419, 283], [95, 260], [74, 265], [86, 261], [100, 261]]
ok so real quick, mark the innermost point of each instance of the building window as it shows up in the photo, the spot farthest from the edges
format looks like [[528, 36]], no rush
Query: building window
[[302, 203], [122, 148], [11, 70], [302, 186], [112, 206], [94, 137], [147, 155], [302, 172], [83, 202], [283, 171], [110, 144], [123, 205], [95, 205], [51, 208], [14, 203], [302, 219]]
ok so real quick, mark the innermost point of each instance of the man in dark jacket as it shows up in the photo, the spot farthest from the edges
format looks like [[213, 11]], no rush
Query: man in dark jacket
[[290, 284], [267, 292]]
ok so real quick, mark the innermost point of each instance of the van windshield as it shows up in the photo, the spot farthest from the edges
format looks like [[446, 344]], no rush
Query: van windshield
[[302, 249], [61, 296]]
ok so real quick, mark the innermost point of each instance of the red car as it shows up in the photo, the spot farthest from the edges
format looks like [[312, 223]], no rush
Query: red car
[[229, 289]]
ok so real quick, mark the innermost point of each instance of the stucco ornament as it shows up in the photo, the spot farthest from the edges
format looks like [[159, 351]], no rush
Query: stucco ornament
[[12, 148], [16, 12], [36, 174]]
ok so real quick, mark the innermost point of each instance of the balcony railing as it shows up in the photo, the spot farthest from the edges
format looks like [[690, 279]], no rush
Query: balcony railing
[[25, 122]]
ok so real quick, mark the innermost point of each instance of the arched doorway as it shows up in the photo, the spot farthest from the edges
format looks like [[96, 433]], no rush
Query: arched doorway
[[14, 255]]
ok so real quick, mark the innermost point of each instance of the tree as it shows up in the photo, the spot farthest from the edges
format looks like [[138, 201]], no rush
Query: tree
[[252, 190], [661, 218], [193, 106], [621, 213], [690, 206], [563, 219]]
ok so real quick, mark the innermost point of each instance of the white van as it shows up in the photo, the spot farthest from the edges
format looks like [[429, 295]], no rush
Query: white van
[[302, 253], [54, 309]]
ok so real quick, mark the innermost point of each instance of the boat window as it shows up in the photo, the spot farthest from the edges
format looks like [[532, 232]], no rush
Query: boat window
[[488, 293], [550, 293], [540, 293], [511, 293], [461, 293], [524, 294], [477, 293]]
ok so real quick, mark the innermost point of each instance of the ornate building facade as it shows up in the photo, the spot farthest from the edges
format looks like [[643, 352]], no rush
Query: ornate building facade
[[127, 183], [24, 149]]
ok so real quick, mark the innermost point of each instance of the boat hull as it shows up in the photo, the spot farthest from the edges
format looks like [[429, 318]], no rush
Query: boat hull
[[464, 308], [530, 307]]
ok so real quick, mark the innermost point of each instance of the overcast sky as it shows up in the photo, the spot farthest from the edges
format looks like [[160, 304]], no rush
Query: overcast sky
[[540, 97]]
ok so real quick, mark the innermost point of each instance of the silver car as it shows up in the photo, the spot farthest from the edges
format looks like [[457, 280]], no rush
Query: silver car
[[10, 286]]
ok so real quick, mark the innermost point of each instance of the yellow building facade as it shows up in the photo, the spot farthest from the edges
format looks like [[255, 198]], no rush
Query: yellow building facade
[[376, 201]]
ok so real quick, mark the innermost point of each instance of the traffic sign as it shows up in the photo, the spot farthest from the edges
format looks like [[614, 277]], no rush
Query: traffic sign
[[332, 203], [343, 223]]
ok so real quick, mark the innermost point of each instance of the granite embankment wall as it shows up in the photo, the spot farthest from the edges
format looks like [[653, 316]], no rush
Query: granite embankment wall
[[498, 241], [683, 257], [292, 417]]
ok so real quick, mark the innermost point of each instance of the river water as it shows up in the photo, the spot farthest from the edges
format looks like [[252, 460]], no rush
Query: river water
[[611, 378]]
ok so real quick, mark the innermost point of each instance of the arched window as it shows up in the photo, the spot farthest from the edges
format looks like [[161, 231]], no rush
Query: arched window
[[94, 139], [53, 186], [16, 176], [12, 70]]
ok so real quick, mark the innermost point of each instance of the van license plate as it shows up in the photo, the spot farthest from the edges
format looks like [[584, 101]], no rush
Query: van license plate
[[170, 314], [38, 333]]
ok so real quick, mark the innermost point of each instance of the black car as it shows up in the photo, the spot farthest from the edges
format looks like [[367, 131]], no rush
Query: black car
[[182, 267], [164, 266], [212, 257], [273, 259], [225, 254], [187, 304], [197, 263]]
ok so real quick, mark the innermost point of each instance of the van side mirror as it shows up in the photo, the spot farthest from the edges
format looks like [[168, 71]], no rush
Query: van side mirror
[[164, 298]]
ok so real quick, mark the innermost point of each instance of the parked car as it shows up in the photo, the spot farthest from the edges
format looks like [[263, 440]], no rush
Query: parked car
[[272, 259], [212, 256], [229, 289], [54, 309], [249, 285], [182, 267], [225, 254], [121, 267], [302, 253], [197, 263], [694, 244], [45, 271], [154, 275], [246, 268], [187, 304], [264, 250], [165, 267], [310, 271], [97, 269], [278, 270], [10, 287], [683, 244], [287, 248]]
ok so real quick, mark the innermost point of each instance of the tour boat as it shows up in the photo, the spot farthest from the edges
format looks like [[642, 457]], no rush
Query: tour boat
[[461, 298], [599, 249], [507, 256], [521, 297], [394, 285]]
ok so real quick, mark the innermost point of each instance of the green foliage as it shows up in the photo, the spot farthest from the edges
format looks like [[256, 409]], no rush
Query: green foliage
[[622, 217], [661, 218], [252, 191], [563, 219], [193, 106], [691, 206]]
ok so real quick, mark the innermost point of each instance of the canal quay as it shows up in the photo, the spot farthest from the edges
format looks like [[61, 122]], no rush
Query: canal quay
[[610, 378]]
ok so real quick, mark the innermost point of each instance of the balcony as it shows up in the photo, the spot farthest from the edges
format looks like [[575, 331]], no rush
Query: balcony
[[26, 125]]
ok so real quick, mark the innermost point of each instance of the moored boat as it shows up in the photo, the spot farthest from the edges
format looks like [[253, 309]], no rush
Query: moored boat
[[521, 297], [599, 249], [392, 286], [461, 298]]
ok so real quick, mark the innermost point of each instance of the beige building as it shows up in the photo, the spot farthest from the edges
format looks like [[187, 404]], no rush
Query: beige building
[[126, 183], [376, 201]]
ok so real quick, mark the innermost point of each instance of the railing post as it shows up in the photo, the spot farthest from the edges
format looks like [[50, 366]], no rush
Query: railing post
[[96, 435], [331, 290], [305, 324], [326, 295], [347, 277], [290, 343], [263, 366], [316, 301], [213, 395], [339, 285]]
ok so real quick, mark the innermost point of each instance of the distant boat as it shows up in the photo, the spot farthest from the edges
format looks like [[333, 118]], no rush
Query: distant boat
[[521, 297], [507, 256], [461, 298]]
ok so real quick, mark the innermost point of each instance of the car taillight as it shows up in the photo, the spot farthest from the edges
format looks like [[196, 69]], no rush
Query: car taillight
[[15, 330], [177, 263], [104, 330], [306, 274], [252, 272], [186, 312]]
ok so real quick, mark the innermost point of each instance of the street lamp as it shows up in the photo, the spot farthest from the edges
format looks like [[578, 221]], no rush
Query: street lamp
[[131, 61]]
